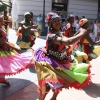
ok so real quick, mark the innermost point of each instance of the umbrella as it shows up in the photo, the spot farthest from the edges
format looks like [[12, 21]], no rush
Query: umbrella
[[14, 11]]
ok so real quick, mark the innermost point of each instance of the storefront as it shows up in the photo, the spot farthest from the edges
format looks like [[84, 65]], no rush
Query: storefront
[[87, 8], [60, 6]]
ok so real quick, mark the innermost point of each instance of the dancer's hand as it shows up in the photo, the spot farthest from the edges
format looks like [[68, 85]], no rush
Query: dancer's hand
[[35, 26], [18, 50]]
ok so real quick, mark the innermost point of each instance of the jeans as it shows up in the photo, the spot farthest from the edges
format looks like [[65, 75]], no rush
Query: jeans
[[46, 30]]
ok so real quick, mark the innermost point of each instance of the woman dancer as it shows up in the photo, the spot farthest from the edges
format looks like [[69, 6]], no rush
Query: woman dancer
[[70, 30], [28, 36], [53, 66], [11, 61], [86, 44]]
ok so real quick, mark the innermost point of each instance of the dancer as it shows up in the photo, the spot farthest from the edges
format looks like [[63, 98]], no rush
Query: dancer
[[12, 61], [7, 21], [28, 37], [86, 44], [53, 66], [19, 33], [70, 30]]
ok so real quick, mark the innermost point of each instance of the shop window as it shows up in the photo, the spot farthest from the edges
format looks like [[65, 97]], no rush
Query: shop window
[[60, 6]]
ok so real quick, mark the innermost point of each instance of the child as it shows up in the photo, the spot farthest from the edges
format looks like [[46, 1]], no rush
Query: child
[[12, 61], [53, 66]]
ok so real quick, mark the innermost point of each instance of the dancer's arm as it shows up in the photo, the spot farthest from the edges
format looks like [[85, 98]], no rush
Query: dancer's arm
[[2, 41], [69, 41], [87, 37]]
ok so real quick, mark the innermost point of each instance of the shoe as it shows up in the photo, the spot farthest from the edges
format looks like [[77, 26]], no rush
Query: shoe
[[2, 80]]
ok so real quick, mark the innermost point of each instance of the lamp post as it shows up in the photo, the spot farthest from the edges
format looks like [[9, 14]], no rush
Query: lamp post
[[43, 24]]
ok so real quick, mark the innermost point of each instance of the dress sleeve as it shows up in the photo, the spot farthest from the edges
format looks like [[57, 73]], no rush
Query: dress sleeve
[[51, 39]]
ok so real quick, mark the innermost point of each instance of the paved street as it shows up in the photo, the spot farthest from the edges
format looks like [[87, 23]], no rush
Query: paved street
[[24, 85]]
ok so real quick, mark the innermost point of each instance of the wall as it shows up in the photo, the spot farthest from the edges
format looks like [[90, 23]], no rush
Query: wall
[[88, 8], [81, 8], [35, 6]]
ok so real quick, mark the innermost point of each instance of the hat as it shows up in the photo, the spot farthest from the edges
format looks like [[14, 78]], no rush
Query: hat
[[51, 16], [70, 16], [27, 14], [83, 21]]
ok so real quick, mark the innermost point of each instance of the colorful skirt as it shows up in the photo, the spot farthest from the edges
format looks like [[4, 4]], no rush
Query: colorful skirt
[[90, 51], [12, 62], [66, 74]]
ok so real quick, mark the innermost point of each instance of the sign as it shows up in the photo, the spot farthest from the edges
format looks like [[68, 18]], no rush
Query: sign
[[59, 6]]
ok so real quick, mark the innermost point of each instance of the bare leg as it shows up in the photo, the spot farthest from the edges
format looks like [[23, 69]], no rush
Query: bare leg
[[42, 98], [54, 96]]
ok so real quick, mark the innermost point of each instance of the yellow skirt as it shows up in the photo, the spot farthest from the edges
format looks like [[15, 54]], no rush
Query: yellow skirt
[[25, 45]]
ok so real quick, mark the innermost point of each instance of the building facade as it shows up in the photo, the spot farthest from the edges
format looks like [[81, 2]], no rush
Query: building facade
[[87, 8]]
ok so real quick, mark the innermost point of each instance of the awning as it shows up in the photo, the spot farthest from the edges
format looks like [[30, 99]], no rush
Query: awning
[[3, 5]]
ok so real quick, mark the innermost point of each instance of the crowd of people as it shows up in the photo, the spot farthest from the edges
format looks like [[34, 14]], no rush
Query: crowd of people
[[65, 60]]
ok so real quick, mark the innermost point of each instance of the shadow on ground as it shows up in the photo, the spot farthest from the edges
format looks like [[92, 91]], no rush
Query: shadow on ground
[[18, 89], [93, 90]]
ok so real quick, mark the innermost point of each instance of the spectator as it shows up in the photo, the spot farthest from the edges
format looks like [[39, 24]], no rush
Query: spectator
[[46, 26], [96, 29], [83, 16], [77, 27], [76, 20], [91, 26], [91, 34], [39, 23], [63, 27]]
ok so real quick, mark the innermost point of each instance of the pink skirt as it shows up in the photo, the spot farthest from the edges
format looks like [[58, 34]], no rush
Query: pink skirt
[[12, 62]]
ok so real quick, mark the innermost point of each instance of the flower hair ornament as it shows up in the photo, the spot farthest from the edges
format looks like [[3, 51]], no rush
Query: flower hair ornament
[[83, 21], [50, 17]]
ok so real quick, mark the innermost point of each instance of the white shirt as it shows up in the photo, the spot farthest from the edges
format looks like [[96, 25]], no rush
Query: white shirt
[[92, 36]]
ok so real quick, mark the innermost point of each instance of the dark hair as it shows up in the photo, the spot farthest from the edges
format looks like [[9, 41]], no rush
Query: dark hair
[[76, 17], [83, 16], [96, 20], [50, 27]]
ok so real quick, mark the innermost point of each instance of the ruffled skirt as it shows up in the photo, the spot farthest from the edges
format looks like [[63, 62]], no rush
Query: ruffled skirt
[[12, 62], [65, 74], [86, 52]]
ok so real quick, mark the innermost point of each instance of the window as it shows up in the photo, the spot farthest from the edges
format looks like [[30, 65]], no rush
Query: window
[[59, 1], [60, 6]]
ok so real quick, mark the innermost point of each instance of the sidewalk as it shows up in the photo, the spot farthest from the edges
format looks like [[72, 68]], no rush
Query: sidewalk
[[24, 87]]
